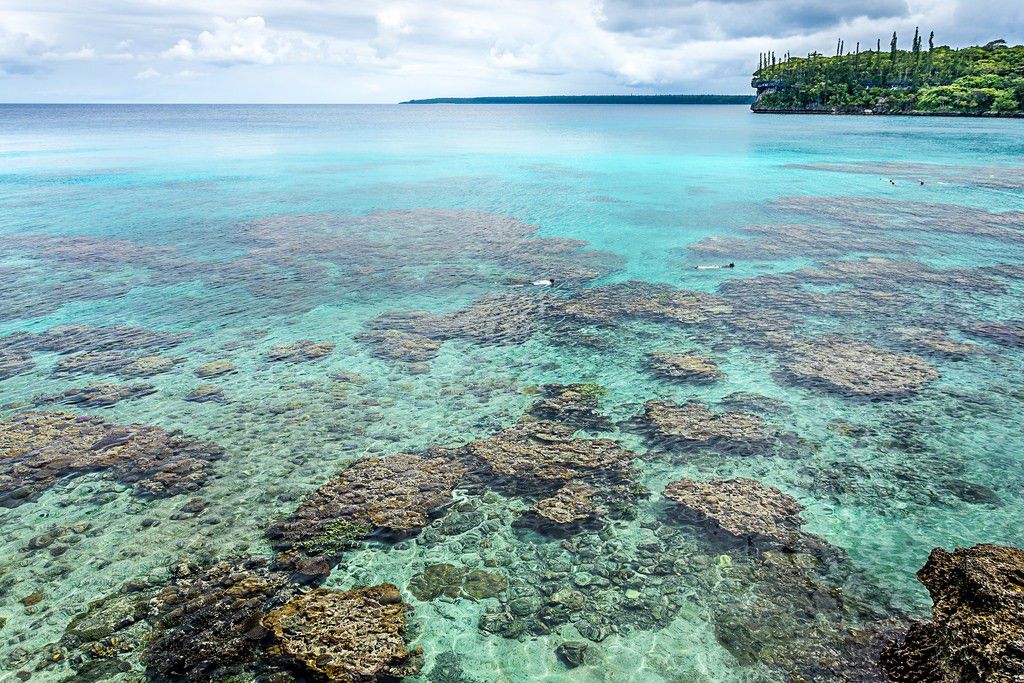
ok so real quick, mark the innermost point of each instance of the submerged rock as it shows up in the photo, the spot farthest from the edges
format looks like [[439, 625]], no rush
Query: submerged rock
[[401, 346], [79, 338], [574, 502], [693, 423], [14, 362], [936, 342], [206, 392], [357, 635], [452, 581], [688, 367], [214, 369], [635, 299], [208, 625], [396, 495], [1007, 333], [302, 350], [857, 368], [548, 451], [574, 404], [98, 395], [977, 626], [745, 508], [38, 448]]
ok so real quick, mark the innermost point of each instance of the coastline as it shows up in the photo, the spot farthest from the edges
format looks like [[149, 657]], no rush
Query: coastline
[[831, 112]]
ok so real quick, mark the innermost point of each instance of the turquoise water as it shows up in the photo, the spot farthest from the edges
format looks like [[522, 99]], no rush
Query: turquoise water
[[249, 227]]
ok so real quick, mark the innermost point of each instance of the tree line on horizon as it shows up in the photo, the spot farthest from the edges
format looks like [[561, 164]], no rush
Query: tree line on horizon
[[986, 79]]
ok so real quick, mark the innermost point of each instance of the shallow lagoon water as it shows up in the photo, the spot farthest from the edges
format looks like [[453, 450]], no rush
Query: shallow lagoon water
[[249, 227]]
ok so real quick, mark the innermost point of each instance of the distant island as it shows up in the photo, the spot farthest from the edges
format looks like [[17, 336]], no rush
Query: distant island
[[593, 99], [983, 80]]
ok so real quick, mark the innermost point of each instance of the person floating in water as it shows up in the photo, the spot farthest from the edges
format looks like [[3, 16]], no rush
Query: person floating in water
[[543, 283], [731, 265]]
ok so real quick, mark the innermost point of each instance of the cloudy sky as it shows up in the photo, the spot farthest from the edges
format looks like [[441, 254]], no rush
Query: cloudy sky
[[386, 51]]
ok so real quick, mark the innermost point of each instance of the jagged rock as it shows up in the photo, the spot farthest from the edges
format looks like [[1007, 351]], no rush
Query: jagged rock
[[357, 635], [547, 451], [302, 350], [452, 581], [745, 508], [635, 299], [209, 625], [98, 395], [37, 448], [574, 502], [214, 369], [855, 367], [689, 367], [401, 346], [395, 495], [977, 628], [695, 423], [574, 404]]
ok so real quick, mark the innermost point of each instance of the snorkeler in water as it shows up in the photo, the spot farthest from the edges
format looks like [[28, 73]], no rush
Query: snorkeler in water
[[731, 265]]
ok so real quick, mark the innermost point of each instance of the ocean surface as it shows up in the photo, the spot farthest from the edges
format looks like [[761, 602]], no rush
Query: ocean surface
[[864, 357]]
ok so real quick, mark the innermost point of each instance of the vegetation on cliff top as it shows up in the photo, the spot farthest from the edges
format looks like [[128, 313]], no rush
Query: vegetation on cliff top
[[985, 80]]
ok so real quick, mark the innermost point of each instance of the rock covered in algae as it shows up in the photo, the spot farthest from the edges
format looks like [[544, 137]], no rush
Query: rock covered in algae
[[79, 338], [574, 502], [208, 624], [1007, 332], [688, 367], [351, 636], [302, 350], [695, 423], [547, 451], [38, 448], [855, 367], [743, 507], [574, 404], [396, 494], [14, 362], [977, 628]]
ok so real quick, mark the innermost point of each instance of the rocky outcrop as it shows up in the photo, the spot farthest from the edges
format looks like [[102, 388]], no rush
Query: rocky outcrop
[[395, 495], [744, 508], [214, 369], [686, 367], [38, 448], [354, 636], [977, 628]]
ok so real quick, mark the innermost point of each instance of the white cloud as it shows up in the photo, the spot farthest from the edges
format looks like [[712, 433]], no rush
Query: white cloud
[[147, 74], [243, 41]]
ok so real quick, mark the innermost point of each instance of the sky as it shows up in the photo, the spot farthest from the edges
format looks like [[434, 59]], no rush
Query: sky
[[387, 51]]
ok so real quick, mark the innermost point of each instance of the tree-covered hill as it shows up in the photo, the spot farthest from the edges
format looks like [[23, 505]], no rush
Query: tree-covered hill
[[927, 79]]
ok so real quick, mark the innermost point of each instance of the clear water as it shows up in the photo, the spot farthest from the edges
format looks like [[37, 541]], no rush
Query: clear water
[[644, 183]]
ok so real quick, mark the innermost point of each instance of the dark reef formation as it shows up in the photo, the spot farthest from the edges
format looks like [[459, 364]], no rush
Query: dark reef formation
[[977, 628], [38, 448]]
